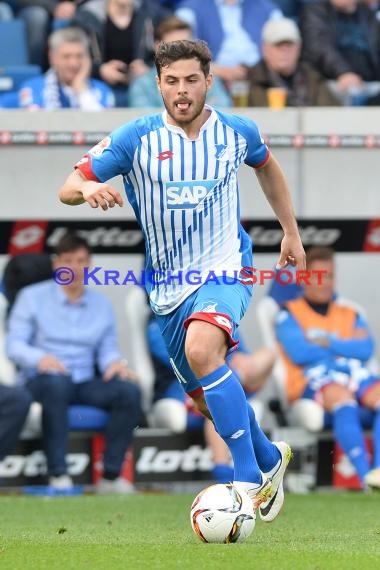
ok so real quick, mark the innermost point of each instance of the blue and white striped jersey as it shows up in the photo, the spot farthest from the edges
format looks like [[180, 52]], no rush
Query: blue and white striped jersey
[[184, 194]]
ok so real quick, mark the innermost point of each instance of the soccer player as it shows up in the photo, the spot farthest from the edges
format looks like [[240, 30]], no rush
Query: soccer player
[[325, 345], [180, 175]]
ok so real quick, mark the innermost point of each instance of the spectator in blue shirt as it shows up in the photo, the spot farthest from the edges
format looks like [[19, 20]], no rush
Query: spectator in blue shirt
[[67, 83], [232, 29], [63, 340]]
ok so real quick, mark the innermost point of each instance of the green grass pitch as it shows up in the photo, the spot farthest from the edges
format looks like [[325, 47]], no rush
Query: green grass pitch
[[151, 531]]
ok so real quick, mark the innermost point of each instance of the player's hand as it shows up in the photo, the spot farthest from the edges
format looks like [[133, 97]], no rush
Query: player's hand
[[292, 252], [49, 363], [100, 194], [120, 369]]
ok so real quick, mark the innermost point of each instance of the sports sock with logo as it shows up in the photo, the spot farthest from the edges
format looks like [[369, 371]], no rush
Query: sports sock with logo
[[228, 406], [267, 454], [349, 435]]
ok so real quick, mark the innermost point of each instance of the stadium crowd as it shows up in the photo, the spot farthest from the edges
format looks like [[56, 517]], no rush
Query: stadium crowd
[[317, 52]]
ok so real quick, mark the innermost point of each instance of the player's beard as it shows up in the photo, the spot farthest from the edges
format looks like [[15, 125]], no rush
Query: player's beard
[[195, 110]]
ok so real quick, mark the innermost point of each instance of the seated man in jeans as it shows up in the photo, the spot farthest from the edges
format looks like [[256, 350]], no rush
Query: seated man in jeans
[[58, 335]]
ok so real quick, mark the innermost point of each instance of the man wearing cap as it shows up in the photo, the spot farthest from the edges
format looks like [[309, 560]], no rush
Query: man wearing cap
[[281, 67]]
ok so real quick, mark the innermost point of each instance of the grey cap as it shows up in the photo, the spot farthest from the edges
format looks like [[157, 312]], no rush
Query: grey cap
[[282, 30]]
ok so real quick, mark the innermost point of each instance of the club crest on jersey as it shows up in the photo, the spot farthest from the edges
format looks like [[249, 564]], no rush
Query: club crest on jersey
[[209, 308], [187, 194], [220, 150]]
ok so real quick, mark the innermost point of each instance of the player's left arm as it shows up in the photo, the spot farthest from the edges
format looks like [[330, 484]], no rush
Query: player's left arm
[[275, 187]]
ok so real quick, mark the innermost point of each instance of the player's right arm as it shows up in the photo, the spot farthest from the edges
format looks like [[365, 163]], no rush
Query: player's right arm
[[78, 189]]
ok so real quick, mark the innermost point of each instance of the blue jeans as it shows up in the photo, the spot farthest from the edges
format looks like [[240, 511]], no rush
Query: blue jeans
[[14, 407], [55, 393]]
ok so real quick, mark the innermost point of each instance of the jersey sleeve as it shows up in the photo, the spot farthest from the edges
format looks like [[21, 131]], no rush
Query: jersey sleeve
[[112, 156], [258, 152]]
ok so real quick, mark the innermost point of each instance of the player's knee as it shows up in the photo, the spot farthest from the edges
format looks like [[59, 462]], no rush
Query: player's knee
[[202, 358], [197, 354]]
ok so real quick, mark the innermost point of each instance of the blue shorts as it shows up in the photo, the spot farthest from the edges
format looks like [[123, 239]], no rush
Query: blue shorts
[[347, 372], [227, 303]]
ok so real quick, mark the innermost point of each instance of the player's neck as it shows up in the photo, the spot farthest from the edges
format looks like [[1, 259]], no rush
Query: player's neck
[[191, 129]]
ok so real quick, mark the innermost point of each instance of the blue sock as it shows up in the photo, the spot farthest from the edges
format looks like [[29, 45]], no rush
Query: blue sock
[[349, 435], [376, 438], [267, 454], [228, 407], [223, 473]]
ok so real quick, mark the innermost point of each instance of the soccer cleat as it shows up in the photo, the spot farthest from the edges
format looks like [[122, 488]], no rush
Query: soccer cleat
[[262, 494], [258, 495], [272, 507], [372, 479]]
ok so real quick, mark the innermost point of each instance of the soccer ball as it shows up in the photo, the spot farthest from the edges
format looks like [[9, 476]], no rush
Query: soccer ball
[[222, 514]]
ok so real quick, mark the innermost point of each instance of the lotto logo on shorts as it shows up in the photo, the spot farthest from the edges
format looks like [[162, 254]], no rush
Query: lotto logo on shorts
[[186, 195]]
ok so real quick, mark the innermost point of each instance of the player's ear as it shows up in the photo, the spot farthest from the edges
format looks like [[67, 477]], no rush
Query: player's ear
[[209, 80], [158, 81]]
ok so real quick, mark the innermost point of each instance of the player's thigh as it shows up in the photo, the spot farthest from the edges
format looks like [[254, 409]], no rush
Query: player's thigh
[[219, 305], [231, 300], [174, 334]]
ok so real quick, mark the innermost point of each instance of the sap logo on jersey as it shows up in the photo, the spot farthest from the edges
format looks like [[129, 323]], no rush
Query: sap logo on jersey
[[187, 194]]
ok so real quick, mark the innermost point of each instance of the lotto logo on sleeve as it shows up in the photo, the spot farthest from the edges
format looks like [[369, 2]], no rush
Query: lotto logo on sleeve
[[187, 194]]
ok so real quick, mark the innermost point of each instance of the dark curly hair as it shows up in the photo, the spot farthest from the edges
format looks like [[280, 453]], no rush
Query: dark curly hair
[[170, 52]]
